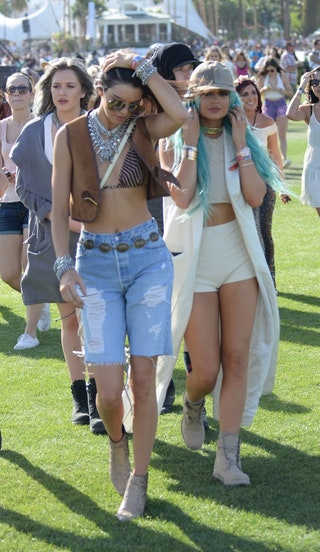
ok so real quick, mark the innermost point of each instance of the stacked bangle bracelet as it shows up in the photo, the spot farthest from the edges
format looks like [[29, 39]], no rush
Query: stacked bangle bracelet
[[145, 70], [189, 152], [62, 265]]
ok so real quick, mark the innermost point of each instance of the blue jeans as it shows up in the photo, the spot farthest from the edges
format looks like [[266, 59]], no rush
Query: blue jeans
[[128, 277]]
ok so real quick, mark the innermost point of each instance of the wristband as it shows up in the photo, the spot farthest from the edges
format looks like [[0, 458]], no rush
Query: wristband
[[135, 61], [189, 152], [244, 154]]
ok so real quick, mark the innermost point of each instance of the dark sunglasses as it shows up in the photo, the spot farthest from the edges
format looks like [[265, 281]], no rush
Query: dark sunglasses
[[314, 82], [134, 108], [22, 89]]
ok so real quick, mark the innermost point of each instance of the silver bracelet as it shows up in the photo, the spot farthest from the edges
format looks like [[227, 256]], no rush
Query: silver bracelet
[[145, 70], [62, 265]]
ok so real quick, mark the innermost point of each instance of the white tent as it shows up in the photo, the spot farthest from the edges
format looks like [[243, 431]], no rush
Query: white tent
[[43, 23]]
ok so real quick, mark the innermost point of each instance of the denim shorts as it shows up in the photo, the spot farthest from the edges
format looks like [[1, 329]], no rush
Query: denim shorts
[[275, 108], [13, 218], [223, 258], [128, 277]]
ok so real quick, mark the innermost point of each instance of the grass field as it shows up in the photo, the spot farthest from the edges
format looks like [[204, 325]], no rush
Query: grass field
[[55, 492]]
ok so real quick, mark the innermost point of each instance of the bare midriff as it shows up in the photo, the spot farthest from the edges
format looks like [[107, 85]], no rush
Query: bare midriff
[[220, 214], [120, 209]]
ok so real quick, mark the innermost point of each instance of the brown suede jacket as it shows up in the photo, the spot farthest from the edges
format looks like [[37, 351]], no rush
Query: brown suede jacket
[[85, 185]]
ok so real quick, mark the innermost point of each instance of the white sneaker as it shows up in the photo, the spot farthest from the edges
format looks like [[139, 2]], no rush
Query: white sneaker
[[26, 341], [286, 163], [44, 321]]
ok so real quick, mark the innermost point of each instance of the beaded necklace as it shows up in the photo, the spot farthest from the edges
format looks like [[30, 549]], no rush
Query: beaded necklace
[[105, 142]]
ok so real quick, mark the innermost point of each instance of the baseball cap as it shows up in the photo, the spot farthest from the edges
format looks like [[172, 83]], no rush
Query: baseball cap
[[212, 74], [170, 56]]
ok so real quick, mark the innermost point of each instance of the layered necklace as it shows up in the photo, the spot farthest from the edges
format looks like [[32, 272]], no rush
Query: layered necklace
[[212, 131], [105, 142], [58, 123]]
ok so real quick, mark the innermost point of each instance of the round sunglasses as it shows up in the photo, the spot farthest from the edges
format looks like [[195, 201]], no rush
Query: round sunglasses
[[134, 108], [22, 89]]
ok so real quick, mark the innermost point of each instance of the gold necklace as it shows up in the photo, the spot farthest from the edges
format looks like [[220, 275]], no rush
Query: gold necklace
[[212, 131]]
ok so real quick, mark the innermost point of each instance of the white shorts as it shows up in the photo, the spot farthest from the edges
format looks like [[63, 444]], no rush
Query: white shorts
[[223, 258]]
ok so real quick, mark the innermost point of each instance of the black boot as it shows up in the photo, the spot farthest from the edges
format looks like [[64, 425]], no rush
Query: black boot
[[80, 412], [169, 398], [96, 424]]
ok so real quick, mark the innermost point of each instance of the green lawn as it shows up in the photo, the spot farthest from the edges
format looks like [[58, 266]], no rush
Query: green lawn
[[55, 492]]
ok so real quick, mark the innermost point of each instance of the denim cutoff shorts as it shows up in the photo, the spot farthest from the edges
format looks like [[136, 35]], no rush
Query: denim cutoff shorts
[[275, 108], [128, 294], [13, 218]]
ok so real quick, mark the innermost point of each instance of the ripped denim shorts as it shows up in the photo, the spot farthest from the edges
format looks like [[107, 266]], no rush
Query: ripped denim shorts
[[128, 277]]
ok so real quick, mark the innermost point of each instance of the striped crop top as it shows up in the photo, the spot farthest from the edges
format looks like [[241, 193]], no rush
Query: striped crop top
[[132, 172]]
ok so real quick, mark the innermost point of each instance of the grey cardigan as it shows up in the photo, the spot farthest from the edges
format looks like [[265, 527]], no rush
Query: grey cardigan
[[33, 186]]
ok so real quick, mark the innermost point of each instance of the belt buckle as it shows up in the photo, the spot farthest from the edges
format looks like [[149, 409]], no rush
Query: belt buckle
[[122, 247], [154, 236], [88, 244], [139, 242], [105, 247]]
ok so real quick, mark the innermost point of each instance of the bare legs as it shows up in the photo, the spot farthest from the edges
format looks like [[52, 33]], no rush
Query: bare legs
[[234, 308], [109, 380], [70, 341], [282, 124]]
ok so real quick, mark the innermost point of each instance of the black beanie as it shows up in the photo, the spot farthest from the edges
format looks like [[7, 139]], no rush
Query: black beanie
[[170, 56]]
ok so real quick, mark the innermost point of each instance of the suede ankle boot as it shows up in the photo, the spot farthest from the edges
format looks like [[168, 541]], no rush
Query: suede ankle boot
[[135, 498], [96, 424], [227, 466], [188, 367], [80, 412], [119, 465]]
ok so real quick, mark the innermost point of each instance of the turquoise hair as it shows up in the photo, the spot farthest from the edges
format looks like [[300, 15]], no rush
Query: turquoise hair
[[266, 168]]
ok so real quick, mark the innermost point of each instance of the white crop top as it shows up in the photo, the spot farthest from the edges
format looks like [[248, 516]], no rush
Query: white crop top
[[217, 190]]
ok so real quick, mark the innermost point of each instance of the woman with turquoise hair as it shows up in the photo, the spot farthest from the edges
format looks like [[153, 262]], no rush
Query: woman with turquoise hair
[[224, 301]]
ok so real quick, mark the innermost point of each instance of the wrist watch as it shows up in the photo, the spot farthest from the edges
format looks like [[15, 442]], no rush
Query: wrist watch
[[135, 60]]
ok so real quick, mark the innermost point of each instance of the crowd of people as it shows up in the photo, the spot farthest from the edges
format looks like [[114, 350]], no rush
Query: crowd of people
[[137, 194]]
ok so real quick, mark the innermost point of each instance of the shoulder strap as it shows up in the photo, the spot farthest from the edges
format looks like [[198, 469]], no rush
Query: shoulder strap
[[116, 157]]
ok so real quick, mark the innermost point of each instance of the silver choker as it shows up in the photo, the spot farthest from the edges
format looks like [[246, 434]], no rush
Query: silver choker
[[105, 142]]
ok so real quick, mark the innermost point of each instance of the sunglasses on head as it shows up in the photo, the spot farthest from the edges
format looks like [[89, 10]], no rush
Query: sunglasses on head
[[134, 108], [314, 82], [22, 89]]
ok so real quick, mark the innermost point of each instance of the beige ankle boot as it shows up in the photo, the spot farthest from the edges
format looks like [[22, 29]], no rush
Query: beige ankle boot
[[119, 465], [135, 498], [227, 466]]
